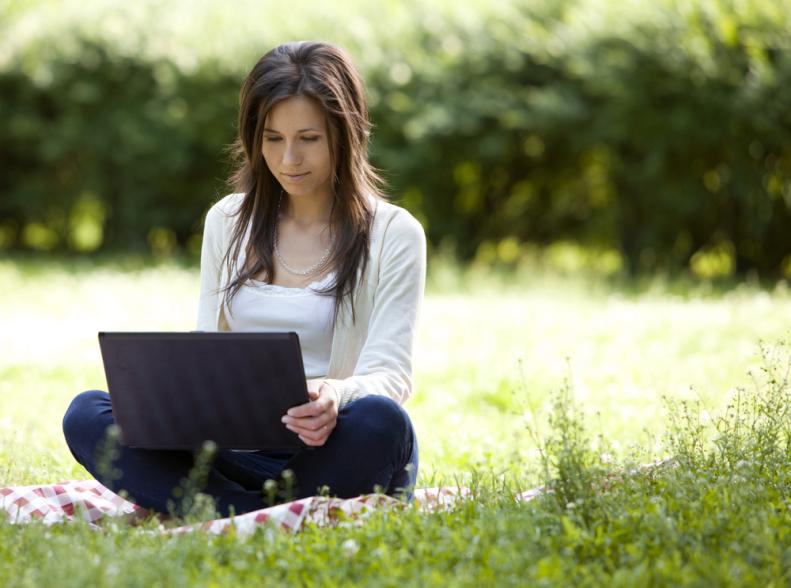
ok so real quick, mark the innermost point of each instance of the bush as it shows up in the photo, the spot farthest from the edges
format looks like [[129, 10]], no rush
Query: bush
[[115, 143], [657, 131]]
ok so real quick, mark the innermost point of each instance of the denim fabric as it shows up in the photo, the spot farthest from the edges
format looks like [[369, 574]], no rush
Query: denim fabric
[[373, 445]]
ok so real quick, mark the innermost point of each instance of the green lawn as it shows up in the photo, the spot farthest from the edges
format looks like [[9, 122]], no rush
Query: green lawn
[[491, 355]]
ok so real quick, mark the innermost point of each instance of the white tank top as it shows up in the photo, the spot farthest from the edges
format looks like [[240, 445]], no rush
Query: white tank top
[[259, 306]]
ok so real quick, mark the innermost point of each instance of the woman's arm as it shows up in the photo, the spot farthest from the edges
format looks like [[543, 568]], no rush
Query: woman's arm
[[384, 366], [210, 269]]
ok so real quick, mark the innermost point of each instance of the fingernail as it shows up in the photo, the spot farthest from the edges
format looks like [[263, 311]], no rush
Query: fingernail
[[284, 419]]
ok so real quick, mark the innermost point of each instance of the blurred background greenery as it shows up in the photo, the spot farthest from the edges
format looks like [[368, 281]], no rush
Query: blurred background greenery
[[625, 136]]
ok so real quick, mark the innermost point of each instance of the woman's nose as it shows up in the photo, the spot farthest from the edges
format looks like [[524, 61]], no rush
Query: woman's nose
[[291, 155]]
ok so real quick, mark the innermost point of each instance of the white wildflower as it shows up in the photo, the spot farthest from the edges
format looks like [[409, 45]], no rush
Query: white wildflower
[[350, 547]]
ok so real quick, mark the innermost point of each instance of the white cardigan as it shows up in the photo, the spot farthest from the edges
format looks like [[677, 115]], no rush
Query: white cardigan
[[373, 355]]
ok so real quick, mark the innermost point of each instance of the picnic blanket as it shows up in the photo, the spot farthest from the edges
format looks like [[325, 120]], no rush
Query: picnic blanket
[[90, 501]]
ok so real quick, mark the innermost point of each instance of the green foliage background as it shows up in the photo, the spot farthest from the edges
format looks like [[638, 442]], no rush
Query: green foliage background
[[657, 132]]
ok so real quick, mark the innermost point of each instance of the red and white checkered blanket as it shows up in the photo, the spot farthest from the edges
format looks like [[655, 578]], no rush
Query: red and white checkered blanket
[[92, 502]]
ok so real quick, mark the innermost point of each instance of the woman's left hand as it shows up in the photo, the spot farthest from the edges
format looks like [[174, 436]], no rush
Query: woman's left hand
[[314, 420]]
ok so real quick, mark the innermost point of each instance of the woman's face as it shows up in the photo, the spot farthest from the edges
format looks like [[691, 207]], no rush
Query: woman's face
[[296, 147]]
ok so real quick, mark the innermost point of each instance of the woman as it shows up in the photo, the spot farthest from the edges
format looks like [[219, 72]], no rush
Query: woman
[[306, 244]]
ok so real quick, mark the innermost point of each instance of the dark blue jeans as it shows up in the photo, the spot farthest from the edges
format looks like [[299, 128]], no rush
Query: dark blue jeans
[[373, 444]]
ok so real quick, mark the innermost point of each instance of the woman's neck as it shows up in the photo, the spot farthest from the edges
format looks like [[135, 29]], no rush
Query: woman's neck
[[306, 211]]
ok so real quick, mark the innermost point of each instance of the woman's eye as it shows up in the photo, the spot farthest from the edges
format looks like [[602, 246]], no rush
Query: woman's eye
[[310, 138], [270, 139]]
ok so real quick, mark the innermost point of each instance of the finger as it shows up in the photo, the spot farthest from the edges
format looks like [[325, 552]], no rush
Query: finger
[[312, 443], [309, 423], [319, 414], [312, 408], [313, 437], [313, 434], [311, 428], [305, 410]]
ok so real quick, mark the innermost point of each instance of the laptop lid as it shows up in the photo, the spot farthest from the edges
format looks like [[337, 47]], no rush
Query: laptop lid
[[176, 390]]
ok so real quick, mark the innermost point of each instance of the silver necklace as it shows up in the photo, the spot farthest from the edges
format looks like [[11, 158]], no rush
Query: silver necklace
[[290, 269]]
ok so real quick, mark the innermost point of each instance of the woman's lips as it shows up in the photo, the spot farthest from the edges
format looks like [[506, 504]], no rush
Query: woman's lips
[[295, 177]]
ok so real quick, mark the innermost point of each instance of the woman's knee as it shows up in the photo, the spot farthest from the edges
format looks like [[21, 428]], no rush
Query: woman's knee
[[83, 412], [380, 416]]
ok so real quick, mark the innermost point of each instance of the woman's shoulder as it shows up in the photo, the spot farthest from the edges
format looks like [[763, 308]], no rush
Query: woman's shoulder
[[228, 205], [393, 219], [222, 213]]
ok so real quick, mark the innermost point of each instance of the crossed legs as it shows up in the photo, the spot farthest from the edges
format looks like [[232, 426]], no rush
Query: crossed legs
[[373, 445]]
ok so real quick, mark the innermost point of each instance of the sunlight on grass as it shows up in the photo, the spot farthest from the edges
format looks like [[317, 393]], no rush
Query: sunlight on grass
[[486, 356]]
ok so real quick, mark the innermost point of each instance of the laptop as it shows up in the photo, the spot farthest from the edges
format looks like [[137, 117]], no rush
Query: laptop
[[177, 390]]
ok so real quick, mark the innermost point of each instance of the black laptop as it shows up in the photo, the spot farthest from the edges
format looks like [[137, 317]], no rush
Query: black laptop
[[177, 390]]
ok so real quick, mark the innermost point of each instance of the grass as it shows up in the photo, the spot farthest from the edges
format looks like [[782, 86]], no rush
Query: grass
[[521, 380]]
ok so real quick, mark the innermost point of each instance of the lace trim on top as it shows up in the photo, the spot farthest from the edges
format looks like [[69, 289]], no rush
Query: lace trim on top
[[286, 291]]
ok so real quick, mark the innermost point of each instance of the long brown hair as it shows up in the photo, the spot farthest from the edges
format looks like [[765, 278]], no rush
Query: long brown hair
[[325, 73]]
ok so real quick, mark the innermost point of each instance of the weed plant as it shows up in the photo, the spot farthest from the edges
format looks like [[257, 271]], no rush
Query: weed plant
[[716, 513]]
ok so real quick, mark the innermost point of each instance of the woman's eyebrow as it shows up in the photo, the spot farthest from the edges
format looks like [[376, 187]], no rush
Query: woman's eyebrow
[[299, 131]]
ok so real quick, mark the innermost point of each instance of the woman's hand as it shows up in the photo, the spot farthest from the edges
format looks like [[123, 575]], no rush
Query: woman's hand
[[315, 420]]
